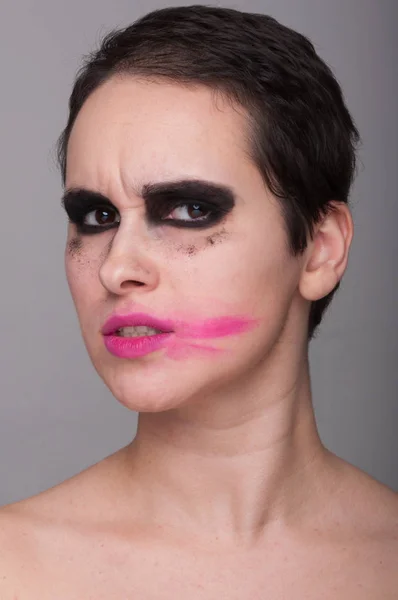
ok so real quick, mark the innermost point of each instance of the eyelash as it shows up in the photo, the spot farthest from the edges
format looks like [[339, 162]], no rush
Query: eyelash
[[78, 213]]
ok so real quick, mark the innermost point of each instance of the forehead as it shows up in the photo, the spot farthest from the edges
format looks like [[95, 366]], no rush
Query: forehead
[[142, 130]]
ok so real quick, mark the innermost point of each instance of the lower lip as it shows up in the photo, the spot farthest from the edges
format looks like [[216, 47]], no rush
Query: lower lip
[[133, 347]]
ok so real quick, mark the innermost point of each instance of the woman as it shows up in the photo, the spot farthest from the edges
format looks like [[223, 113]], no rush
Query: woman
[[207, 163]]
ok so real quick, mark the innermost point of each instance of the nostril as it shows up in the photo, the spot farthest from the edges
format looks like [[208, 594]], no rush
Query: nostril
[[131, 283]]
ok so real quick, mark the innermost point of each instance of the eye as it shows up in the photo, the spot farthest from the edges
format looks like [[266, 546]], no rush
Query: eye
[[101, 216], [190, 212]]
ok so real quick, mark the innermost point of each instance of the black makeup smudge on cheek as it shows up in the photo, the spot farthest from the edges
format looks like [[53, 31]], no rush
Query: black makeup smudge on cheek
[[211, 240], [75, 252], [189, 250], [216, 238], [75, 245]]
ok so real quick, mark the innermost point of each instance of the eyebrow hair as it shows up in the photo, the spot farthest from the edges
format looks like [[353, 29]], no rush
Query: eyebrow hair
[[204, 190], [73, 195]]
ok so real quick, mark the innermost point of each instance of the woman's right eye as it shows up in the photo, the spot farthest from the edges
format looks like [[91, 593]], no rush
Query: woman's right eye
[[101, 217]]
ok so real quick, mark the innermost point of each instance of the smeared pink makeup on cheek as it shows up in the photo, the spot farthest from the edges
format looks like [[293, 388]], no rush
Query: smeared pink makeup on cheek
[[215, 328], [181, 348]]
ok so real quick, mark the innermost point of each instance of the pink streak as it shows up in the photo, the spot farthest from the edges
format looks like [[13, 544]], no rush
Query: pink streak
[[214, 328]]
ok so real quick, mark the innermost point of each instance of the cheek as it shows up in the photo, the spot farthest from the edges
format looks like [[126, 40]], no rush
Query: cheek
[[82, 261], [242, 274]]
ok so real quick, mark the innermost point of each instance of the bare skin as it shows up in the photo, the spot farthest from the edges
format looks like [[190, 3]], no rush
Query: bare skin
[[80, 540], [226, 490]]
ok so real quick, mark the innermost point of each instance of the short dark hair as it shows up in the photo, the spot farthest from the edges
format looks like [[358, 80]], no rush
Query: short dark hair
[[301, 135]]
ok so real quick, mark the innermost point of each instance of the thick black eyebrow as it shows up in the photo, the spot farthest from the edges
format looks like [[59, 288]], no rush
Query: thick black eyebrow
[[77, 194], [193, 189]]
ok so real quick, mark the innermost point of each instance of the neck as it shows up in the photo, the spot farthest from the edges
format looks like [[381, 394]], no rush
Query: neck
[[226, 467]]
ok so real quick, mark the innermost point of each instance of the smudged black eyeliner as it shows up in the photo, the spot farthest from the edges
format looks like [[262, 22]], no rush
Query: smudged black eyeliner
[[160, 199], [78, 203]]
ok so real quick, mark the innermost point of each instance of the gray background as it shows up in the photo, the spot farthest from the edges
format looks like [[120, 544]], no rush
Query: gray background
[[56, 416]]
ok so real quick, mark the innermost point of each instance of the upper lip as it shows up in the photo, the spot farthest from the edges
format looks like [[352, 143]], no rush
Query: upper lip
[[116, 322]]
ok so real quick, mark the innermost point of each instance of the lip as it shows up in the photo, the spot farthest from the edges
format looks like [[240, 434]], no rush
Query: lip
[[134, 347], [115, 322]]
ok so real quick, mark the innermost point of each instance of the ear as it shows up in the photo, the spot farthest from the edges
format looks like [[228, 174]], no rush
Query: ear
[[327, 253]]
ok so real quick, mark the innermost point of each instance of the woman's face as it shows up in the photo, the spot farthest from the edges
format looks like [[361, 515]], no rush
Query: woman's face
[[171, 219]]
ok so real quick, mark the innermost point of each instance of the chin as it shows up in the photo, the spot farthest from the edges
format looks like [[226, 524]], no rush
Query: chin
[[145, 386], [147, 400]]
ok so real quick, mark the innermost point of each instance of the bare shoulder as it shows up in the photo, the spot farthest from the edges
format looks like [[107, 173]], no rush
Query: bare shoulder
[[365, 512], [372, 505], [70, 496], [32, 529], [17, 541]]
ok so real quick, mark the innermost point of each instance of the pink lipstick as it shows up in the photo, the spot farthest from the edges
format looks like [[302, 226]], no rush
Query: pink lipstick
[[133, 347]]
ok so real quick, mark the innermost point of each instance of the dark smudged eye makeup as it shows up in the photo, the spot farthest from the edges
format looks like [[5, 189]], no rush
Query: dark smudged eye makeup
[[182, 204], [91, 212]]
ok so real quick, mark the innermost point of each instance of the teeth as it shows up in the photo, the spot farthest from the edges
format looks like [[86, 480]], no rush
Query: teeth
[[137, 331]]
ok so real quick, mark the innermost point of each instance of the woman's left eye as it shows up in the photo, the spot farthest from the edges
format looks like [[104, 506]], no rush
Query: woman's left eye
[[190, 212]]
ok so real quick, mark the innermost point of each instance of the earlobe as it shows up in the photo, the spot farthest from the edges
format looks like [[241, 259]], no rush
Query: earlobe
[[327, 253]]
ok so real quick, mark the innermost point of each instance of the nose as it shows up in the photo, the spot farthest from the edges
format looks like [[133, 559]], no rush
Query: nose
[[128, 265]]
